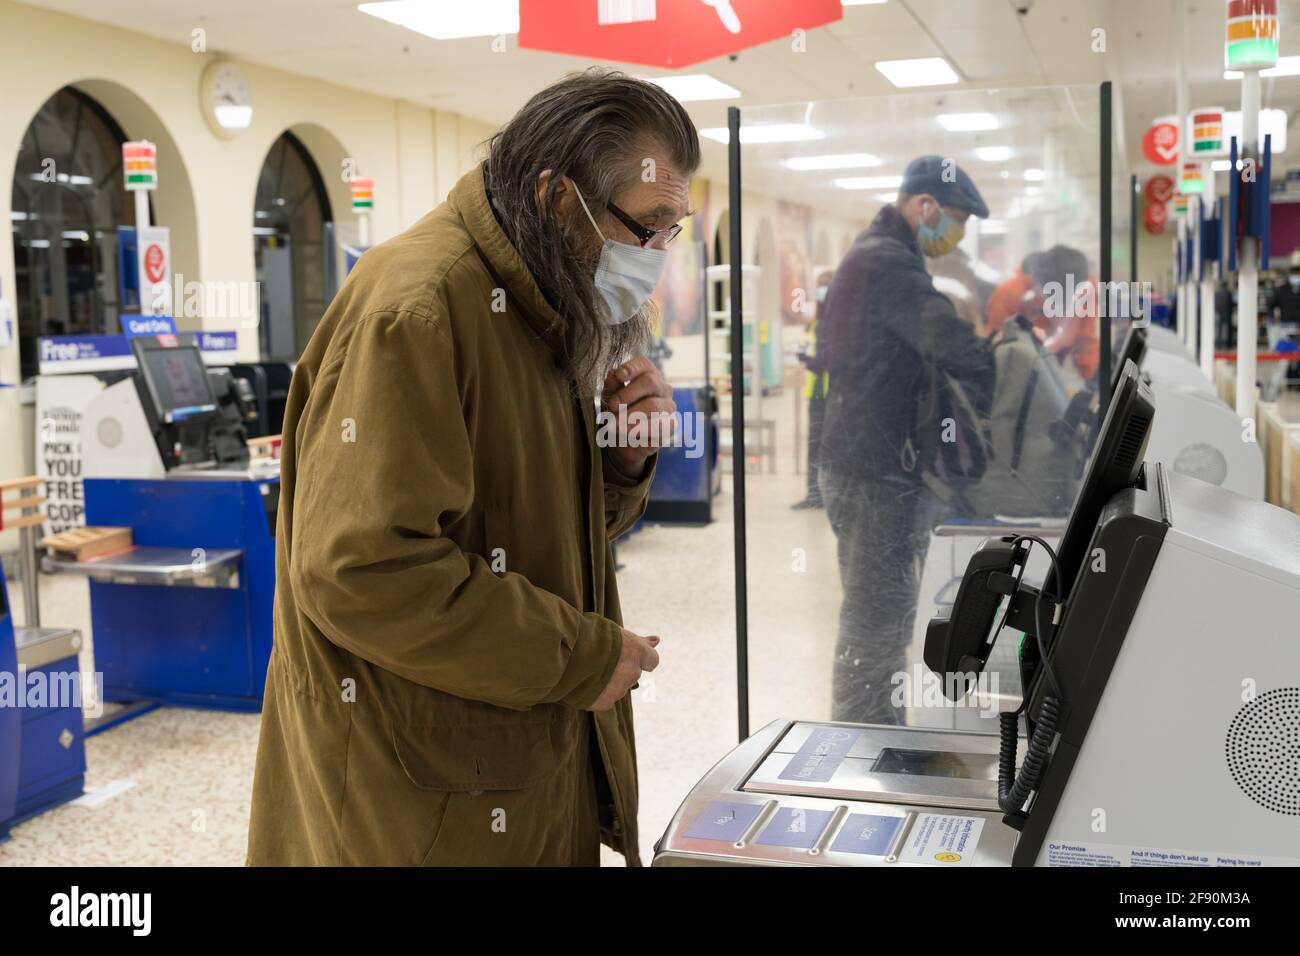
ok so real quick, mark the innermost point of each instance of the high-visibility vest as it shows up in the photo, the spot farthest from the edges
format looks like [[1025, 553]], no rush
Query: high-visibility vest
[[814, 383]]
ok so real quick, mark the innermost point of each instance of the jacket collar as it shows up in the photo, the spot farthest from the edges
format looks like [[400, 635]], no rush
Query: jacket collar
[[469, 199], [889, 223]]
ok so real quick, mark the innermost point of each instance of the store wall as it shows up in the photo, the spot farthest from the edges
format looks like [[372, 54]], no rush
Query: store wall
[[1156, 258], [831, 234], [207, 184]]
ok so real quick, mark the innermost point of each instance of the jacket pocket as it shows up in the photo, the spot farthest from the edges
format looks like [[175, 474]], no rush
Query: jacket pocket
[[439, 833], [496, 756]]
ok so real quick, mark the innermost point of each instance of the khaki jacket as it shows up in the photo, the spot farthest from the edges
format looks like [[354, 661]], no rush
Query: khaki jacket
[[446, 604]]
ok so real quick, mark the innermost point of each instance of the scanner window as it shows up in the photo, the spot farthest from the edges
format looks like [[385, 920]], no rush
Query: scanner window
[[937, 763]]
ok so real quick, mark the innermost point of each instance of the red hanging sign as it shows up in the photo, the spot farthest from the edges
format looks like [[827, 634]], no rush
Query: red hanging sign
[[665, 33], [1154, 217], [1160, 144], [155, 263], [1160, 189]]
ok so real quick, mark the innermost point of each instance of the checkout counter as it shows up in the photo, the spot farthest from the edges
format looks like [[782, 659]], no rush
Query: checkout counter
[[184, 617], [1159, 685], [687, 475], [42, 736]]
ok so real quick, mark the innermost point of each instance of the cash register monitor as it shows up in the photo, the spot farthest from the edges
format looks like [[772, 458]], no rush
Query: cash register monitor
[[1116, 464], [177, 382], [179, 404], [1131, 346], [960, 643]]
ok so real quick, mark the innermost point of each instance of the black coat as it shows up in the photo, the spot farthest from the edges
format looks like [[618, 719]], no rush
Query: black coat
[[1284, 303], [886, 331]]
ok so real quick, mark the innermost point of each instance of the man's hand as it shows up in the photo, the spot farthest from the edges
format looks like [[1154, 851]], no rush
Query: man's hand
[[638, 656], [642, 403]]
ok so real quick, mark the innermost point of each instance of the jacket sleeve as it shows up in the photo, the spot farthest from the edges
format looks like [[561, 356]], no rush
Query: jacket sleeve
[[625, 498], [384, 469], [1086, 349], [933, 330], [1003, 304]]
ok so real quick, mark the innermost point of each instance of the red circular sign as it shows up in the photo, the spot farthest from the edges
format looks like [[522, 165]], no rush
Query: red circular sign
[[155, 263], [1160, 144], [1160, 189], [1154, 217]]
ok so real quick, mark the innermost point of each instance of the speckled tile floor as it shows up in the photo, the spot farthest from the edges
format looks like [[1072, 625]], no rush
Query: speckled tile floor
[[190, 774]]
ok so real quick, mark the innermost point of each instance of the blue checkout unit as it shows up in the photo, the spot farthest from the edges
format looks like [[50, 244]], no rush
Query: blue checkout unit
[[42, 737], [687, 475], [183, 617]]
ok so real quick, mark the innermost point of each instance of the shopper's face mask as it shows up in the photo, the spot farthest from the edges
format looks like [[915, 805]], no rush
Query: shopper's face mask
[[626, 275], [941, 237], [1294, 281]]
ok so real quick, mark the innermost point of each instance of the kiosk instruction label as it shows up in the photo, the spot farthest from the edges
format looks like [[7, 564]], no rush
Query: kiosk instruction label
[[1111, 854], [820, 755], [941, 839]]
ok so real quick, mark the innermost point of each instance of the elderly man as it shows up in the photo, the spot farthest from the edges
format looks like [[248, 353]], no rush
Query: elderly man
[[450, 678]]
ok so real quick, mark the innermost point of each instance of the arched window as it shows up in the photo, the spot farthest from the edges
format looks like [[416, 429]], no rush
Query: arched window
[[68, 200], [292, 241]]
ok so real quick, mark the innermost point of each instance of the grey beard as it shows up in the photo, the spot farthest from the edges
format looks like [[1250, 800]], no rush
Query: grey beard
[[618, 344], [595, 347]]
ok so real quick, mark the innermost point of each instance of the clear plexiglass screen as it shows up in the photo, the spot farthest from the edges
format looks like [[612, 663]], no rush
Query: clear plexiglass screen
[[922, 347]]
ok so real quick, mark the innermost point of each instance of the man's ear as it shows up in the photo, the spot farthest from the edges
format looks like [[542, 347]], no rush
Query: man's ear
[[562, 200], [914, 210]]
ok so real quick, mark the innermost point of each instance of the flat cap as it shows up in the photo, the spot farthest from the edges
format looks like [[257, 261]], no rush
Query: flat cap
[[945, 181]]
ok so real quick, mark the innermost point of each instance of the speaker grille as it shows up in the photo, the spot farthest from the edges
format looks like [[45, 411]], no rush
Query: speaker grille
[[1130, 443], [1263, 750]]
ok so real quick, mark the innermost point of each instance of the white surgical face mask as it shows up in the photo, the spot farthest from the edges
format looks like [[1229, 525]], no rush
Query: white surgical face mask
[[626, 275]]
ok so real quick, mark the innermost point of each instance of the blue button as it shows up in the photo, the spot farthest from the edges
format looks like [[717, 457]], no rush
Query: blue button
[[866, 833], [724, 821], [796, 827]]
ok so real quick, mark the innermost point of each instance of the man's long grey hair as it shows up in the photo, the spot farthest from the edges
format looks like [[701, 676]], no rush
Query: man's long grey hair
[[592, 127]]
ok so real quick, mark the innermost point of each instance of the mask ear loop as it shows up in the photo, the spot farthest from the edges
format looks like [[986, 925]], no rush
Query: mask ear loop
[[578, 192], [939, 220]]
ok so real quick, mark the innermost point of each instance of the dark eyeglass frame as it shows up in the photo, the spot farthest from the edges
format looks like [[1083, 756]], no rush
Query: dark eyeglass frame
[[644, 235]]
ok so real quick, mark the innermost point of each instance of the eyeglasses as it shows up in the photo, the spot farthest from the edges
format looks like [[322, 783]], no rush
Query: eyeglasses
[[645, 236]]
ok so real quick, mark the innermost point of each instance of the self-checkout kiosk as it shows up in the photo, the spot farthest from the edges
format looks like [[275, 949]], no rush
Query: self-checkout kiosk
[[1195, 434], [184, 617], [1162, 339], [1157, 725]]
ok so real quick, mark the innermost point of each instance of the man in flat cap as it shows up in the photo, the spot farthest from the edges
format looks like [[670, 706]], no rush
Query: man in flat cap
[[895, 346]]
